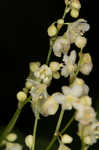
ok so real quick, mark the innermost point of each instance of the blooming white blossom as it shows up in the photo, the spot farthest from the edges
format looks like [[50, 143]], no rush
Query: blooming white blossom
[[85, 114], [77, 28], [80, 82], [61, 45], [49, 107], [38, 91], [90, 132], [55, 67], [69, 97], [43, 74], [69, 64]]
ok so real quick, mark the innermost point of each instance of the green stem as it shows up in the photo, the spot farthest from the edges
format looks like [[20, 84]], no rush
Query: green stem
[[13, 121], [51, 45], [34, 131], [56, 131], [68, 124], [63, 130], [59, 121], [83, 146], [49, 55]]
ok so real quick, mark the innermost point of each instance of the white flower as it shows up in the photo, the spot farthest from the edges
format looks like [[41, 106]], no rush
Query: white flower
[[61, 45], [69, 97], [85, 114], [49, 107], [77, 28], [90, 132], [69, 66], [80, 82], [38, 91], [44, 74]]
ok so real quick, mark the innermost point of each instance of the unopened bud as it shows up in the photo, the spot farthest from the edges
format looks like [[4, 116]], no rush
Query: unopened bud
[[21, 96], [29, 141], [33, 66], [52, 30], [11, 137], [66, 139], [76, 4], [80, 42], [74, 13]]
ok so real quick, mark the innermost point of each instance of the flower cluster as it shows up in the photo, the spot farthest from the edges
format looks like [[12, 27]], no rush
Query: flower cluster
[[73, 96]]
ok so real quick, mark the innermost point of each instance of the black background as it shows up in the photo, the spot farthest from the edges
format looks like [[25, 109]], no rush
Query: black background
[[23, 38]]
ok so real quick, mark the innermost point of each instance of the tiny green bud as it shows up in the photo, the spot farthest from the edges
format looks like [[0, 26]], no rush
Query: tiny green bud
[[21, 96]]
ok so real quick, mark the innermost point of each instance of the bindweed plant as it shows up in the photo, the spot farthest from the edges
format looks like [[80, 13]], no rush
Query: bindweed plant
[[73, 96]]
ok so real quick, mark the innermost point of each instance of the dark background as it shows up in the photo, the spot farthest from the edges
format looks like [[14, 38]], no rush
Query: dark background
[[23, 38]]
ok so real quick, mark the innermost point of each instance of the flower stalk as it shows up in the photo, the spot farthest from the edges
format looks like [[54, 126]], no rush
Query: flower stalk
[[13, 120]]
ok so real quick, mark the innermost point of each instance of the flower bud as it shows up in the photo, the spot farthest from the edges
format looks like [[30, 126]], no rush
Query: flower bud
[[28, 85], [56, 75], [66, 139], [33, 66], [86, 64], [77, 81], [50, 107], [86, 100], [21, 96], [74, 13], [55, 66], [76, 4], [52, 30], [80, 42], [11, 137], [29, 141], [60, 21]]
